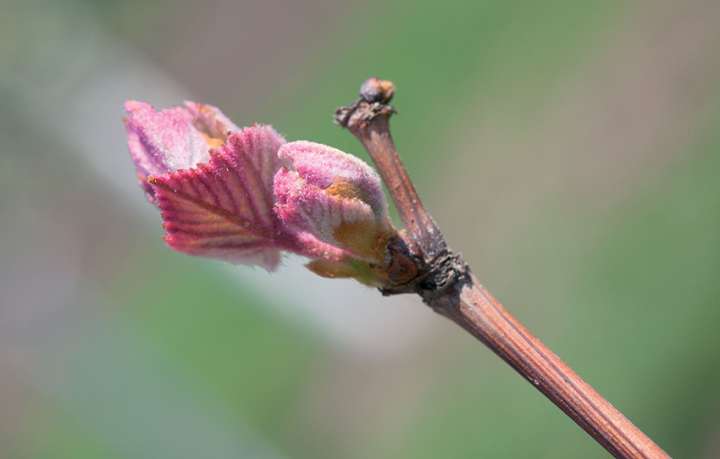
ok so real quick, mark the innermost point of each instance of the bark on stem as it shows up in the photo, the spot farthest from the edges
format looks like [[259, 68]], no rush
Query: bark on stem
[[418, 223], [447, 285], [473, 307]]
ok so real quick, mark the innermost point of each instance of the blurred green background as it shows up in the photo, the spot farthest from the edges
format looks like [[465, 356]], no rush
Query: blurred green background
[[568, 149]]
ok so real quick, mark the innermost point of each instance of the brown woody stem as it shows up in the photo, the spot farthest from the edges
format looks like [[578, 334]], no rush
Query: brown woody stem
[[368, 119], [447, 285]]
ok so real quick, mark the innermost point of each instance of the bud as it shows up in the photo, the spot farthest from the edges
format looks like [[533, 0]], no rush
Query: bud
[[377, 90], [333, 196], [245, 195]]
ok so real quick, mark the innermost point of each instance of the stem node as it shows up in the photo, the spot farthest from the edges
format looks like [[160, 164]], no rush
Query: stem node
[[419, 261]]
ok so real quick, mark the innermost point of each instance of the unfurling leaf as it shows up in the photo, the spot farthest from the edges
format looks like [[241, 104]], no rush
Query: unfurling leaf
[[245, 195], [224, 208], [333, 196], [172, 139]]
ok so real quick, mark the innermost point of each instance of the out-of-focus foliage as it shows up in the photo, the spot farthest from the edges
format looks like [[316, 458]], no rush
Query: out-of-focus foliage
[[569, 149]]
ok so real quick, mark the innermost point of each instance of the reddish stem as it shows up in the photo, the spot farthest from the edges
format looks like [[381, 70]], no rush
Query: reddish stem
[[478, 312], [446, 284], [417, 221]]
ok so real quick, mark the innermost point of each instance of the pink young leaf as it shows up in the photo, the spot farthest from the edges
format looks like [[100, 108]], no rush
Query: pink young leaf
[[210, 121], [224, 208], [323, 166], [246, 195], [335, 197], [172, 139]]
